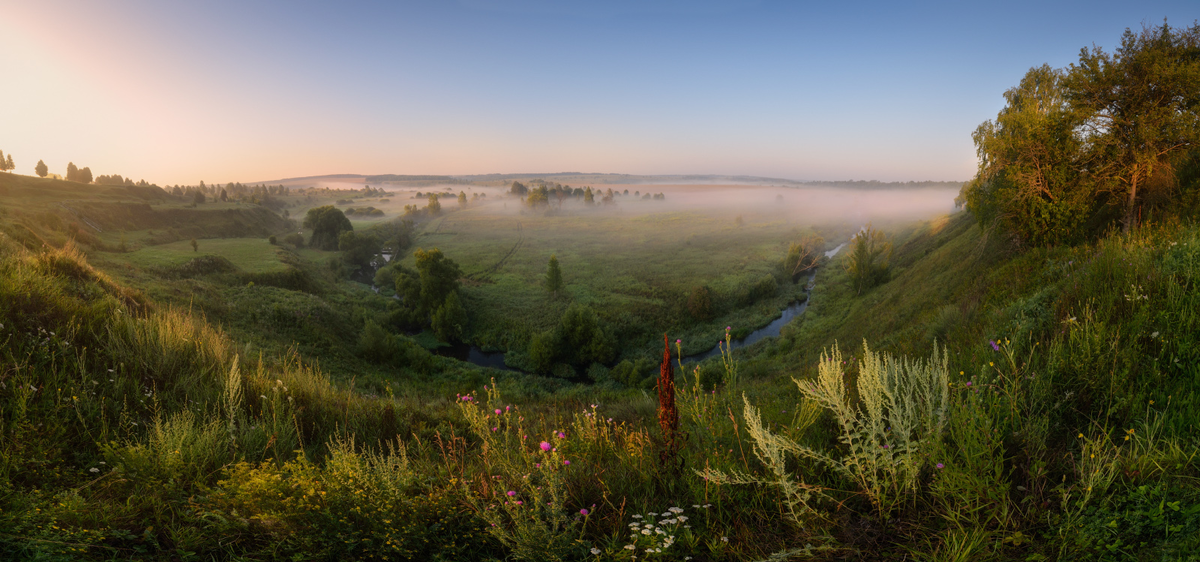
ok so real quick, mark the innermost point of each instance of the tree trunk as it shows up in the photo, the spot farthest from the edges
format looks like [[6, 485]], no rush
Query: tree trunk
[[1131, 207]]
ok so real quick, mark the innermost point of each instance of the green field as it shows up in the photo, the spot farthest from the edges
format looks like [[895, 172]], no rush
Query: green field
[[1071, 378], [252, 255], [634, 264]]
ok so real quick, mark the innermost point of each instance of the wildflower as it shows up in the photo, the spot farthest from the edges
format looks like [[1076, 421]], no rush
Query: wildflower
[[968, 383], [724, 539], [995, 346], [595, 551], [629, 547], [566, 462], [562, 435], [519, 502], [511, 493], [1081, 436], [497, 411], [940, 466], [93, 470], [583, 512], [545, 446]]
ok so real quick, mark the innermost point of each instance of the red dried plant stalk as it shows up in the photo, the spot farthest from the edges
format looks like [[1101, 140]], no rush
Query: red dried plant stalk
[[668, 416]]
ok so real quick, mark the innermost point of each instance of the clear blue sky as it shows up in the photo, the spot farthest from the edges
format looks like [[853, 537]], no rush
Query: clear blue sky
[[176, 92]]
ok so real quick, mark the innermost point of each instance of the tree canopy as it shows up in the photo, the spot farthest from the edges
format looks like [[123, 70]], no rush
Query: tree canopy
[[41, 169], [1078, 150], [327, 223], [429, 295], [554, 281]]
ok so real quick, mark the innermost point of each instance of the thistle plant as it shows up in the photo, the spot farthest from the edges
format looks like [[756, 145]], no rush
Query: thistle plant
[[522, 494]]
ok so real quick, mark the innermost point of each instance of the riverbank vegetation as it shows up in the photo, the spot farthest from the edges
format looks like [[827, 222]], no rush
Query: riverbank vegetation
[[956, 390]]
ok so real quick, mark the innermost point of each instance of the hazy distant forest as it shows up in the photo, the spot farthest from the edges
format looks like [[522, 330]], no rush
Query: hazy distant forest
[[515, 368]]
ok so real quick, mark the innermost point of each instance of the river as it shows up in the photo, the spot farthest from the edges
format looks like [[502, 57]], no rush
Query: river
[[495, 359]]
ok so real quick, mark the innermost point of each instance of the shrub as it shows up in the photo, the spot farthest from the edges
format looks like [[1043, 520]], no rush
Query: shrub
[[699, 303], [868, 259], [903, 412]]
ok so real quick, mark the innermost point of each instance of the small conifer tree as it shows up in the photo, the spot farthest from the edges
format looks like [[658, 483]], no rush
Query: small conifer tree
[[554, 280]]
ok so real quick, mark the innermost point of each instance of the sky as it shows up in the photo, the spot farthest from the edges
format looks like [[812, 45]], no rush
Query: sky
[[179, 92]]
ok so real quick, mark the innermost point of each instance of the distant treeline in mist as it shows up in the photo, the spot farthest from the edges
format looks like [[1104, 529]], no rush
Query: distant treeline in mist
[[873, 184], [402, 177]]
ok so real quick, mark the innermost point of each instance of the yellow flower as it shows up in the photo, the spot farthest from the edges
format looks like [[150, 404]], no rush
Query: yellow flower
[[991, 364], [1081, 436]]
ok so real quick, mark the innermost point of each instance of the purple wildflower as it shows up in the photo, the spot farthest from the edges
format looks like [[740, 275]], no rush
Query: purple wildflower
[[940, 466], [995, 346], [545, 446]]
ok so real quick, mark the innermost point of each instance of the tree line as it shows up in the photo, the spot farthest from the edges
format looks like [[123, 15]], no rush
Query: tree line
[[1110, 141], [541, 194]]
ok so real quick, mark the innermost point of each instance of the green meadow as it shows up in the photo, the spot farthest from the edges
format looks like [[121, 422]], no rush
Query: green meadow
[[635, 264], [232, 402]]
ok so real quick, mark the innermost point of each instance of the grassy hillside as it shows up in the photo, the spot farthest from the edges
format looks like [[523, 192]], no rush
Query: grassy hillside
[[151, 412]]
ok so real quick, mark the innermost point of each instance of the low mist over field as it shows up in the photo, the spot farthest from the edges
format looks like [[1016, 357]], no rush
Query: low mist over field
[[807, 205]]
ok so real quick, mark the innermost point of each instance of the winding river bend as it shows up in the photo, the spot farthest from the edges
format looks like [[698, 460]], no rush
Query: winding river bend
[[495, 359], [770, 330]]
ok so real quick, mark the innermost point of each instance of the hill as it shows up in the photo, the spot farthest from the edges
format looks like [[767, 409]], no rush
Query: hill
[[133, 428]]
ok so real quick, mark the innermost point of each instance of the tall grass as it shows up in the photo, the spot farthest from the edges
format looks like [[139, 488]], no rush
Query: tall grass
[[1062, 402]]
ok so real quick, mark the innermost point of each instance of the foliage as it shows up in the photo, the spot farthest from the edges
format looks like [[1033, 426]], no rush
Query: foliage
[[538, 197], [803, 256], [434, 207], [449, 320], [327, 224], [700, 304], [554, 282], [867, 262], [1073, 145], [887, 439], [359, 250], [41, 169]]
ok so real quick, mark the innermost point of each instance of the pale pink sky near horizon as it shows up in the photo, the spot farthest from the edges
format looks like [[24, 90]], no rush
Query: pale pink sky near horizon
[[220, 91]]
